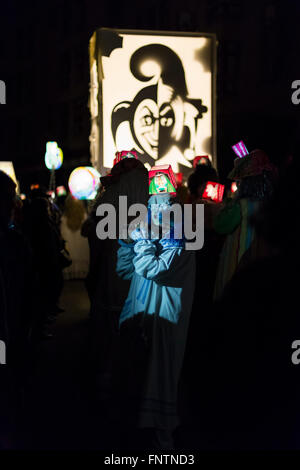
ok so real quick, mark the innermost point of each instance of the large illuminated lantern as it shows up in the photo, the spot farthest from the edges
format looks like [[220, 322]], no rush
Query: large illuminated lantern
[[152, 93], [84, 182]]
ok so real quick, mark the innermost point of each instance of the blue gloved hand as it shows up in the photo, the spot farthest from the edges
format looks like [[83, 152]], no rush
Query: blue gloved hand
[[140, 233]]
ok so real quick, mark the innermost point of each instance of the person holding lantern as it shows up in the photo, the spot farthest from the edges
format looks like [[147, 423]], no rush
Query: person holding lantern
[[155, 318], [107, 292]]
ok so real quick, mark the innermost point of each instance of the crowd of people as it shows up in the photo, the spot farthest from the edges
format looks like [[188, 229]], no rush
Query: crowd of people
[[221, 319], [36, 234]]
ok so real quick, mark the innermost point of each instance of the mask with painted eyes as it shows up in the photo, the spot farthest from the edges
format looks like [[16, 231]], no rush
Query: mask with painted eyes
[[153, 123], [161, 184]]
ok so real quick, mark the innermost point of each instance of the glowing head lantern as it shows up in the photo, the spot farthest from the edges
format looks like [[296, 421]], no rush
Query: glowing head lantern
[[53, 156], [84, 182], [61, 191], [124, 154], [162, 180], [213, 191], [240, 149], [201, 160]]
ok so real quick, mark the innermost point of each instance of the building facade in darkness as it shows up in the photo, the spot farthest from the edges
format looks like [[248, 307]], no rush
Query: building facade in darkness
[[45, 64]]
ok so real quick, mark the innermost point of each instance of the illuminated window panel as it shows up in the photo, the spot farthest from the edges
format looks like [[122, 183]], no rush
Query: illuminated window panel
[[8, 168]]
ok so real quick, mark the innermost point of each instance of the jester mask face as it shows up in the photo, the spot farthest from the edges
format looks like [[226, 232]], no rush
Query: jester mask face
[[161, 184], [154, 119]]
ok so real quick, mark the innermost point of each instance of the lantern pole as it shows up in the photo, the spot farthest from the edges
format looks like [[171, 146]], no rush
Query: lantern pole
[[52, 183]]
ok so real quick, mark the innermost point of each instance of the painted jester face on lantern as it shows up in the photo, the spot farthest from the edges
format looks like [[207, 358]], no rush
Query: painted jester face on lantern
[[161, 115], [161, 183], [154, 120]]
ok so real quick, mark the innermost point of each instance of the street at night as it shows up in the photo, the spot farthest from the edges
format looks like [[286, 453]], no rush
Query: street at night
[[149, 187]]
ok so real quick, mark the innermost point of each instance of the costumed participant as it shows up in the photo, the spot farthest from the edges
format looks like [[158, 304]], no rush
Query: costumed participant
[[155, 317], [16, 291], [182, 189], [257, 405], [255, 175], [107, 292], [203, 172], [210, 194], [42, 229], [72, 219]]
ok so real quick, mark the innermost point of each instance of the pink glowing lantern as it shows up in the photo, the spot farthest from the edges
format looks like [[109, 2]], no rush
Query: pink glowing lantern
[[240, 149]]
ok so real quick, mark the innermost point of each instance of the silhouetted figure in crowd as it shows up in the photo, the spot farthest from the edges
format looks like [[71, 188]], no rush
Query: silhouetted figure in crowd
[[16, 278], [46, 244], [257, 321], [247, 387], [107, 291], [256, 177], [207, 259], [198, 178], [74, 215]]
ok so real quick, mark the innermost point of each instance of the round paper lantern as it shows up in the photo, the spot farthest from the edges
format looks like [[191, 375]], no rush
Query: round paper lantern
[[97, 177], [53, 156], [84, 182]]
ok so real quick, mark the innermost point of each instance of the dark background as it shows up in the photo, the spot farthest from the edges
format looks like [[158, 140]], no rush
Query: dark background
[[44, 63]]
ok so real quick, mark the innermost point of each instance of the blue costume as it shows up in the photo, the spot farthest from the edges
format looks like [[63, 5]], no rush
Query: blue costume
[[160, 296]]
